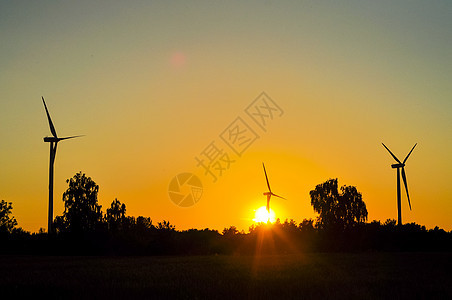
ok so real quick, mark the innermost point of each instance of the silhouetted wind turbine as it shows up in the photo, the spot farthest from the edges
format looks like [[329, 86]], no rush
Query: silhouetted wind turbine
[[53, 140], [398, 166], [269, 193]]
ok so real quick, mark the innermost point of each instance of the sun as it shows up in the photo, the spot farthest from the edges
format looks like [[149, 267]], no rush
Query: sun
[[263, 216]]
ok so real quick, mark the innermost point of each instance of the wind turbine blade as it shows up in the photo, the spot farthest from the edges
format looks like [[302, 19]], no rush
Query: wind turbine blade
[[266, 177], [406, 186], [391, 153], [70, 137], [52, 128], [278, 196], [54, 149], [409, 153], [268, 203]]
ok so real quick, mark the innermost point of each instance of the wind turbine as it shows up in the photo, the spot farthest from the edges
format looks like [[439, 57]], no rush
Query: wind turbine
[[398, 166], [53, 140], [269, 193]]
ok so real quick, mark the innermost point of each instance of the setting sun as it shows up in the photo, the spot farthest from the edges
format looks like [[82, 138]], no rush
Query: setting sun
[[262, 215]]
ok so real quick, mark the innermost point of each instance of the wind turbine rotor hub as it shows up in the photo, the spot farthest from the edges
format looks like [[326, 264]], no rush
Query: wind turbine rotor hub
[[50, 139], [394, 166]]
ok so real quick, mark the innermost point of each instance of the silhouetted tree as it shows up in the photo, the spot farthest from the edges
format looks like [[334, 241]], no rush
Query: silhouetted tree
[[231, 231], [338, 210], [290, 225], [116, 216], [7, 222], [307, 225], [82, 213], [390, 223], [165, 226], [144, 222]]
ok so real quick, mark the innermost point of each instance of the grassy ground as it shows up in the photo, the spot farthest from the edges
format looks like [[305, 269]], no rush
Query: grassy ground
[[304, 276]]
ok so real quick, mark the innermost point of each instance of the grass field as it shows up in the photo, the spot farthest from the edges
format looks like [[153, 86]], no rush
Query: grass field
[[303, 276]]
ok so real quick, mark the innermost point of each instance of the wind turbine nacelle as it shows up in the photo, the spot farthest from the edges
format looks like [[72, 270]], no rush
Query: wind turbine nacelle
[[394, 166], [50, 139]]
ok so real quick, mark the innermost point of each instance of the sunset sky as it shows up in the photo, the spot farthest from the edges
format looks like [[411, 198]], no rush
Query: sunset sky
[[151, 84]]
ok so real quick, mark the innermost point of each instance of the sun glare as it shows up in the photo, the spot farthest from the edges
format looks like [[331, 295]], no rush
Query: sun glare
[[262, 215]]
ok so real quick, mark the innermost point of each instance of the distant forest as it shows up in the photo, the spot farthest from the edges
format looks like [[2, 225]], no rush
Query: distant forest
[[341, 226]]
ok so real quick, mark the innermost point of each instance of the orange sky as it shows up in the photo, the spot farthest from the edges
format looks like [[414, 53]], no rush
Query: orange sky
[[152, 85]]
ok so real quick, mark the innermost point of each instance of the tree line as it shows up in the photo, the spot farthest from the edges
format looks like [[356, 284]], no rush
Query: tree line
[[341, 225]]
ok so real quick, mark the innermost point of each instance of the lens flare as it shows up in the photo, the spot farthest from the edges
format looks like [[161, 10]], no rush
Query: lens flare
[[178, 59], [263, 216]]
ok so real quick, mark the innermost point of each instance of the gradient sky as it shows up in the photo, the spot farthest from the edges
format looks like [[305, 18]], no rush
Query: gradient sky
[[152, 84]]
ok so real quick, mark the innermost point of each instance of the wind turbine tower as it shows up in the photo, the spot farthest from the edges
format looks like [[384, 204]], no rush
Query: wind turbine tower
[[400, 165], [53, 140]]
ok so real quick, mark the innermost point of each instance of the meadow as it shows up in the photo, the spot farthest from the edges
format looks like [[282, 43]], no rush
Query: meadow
[[371, 275]]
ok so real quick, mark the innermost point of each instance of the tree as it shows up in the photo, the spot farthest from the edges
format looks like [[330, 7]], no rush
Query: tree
[[82, 213], [307, 225], [165, 226], [144, 222], [231, 231], [116, 216], [390, 223], [337, 210], [7, 222]]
